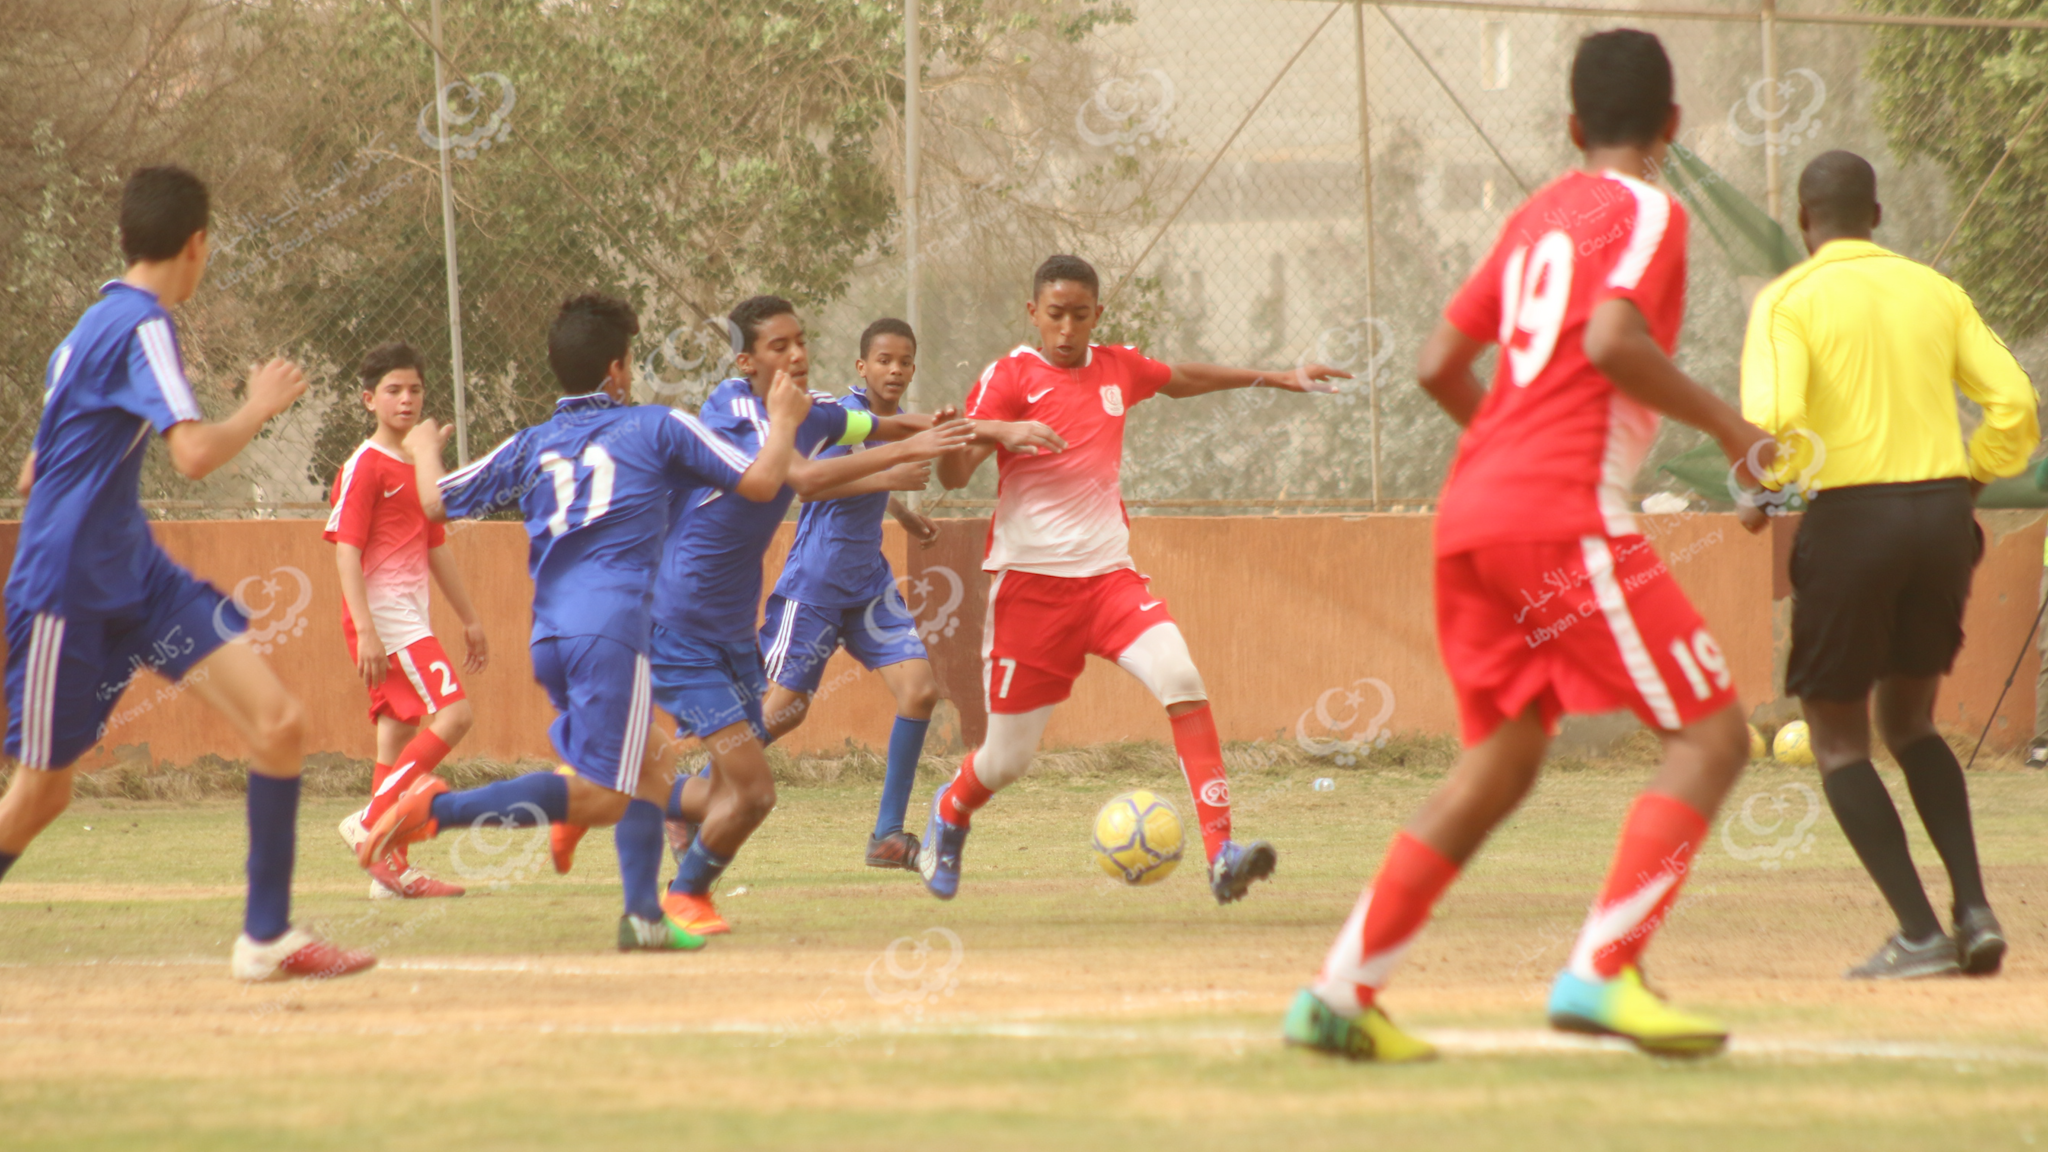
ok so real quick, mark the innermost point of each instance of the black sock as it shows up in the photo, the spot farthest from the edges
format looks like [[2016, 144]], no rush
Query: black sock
[[6, 861], [1864, 810], [1943, 798]]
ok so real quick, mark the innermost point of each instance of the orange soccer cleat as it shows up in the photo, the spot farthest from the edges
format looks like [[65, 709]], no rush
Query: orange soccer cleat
[[409, 820], [694, 913]]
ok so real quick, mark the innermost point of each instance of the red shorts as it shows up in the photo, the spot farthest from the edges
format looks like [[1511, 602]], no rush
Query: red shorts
[[1041, 630], [1589, 625], [419, 681]]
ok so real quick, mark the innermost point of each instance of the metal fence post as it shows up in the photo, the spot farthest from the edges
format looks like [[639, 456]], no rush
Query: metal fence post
[[448, 246], [1774, 108], [912, 61], [1371, 309]]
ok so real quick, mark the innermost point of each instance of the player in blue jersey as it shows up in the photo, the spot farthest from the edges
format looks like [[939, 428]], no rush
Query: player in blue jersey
[[837, 591], [92, 599], [595, 484], [707, 662]]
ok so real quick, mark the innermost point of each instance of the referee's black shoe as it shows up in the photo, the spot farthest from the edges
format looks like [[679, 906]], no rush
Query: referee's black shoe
[[1980, 942], [1900, 959]]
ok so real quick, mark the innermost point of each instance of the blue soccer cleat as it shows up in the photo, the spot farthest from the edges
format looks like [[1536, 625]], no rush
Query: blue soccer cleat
[[938, 854], [1238, 866]]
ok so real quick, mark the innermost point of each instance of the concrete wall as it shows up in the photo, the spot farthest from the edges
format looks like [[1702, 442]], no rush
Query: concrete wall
[[1279, 611]]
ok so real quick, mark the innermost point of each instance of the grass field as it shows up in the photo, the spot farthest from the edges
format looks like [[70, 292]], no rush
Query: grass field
[[1046, 1007]]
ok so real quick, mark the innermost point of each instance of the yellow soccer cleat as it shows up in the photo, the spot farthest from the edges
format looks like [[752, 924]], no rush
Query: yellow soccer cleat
[[1370, 1035], [1625, 1007]]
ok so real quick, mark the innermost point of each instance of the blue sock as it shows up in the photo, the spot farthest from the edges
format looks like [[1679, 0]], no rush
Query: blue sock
[[522, 802], [701, 869], [7, 860], [273, 841], [906, 744], [638, 835], [675, 799]]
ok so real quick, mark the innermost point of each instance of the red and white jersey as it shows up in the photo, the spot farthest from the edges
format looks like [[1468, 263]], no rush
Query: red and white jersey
[[1554, 449], [1062, 513], [377, 509]]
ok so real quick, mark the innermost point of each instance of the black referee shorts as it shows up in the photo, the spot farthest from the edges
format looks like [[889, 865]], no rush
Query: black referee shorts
[[1880, 573]]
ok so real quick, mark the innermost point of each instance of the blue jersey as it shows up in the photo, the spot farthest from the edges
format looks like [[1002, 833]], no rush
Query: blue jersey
[[710, 584], [85, 547], [595, 485], [837, 559]]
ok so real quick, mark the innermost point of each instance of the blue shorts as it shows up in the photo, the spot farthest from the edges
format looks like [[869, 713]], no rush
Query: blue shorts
[[798, 638], [603, 707], [708, 684], [64, 675]]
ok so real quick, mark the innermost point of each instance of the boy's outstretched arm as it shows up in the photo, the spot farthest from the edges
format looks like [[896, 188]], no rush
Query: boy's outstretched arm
[[813, 478], [1192, 379], [198, 448], [1024, 437], [424, 444], [1619, 343], [449, 577]]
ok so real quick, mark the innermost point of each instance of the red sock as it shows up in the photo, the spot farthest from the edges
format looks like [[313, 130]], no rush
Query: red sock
[[378, 774], [1657, 845], [965, 794], [421, 756], [1201, 761], [1386, 920]]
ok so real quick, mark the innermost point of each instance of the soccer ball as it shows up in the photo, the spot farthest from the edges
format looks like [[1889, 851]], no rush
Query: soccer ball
[[1792, 745], [1138, 838]]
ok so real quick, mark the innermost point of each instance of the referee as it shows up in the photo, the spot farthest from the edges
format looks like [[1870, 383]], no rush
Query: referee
[[1848, 361]]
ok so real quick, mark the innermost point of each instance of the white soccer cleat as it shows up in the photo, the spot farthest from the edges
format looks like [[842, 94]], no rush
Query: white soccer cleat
[[353, 830], [297, 953]]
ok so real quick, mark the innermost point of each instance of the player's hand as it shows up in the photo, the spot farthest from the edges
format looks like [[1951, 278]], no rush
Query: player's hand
[[921, 527], [1751, 516], [1752, 451], [787, 403], [1307, 378], [913, 476], [1027, 437], [936, 441], [479, 653], [371, 659], [426, 438], [275, 386], [912, 422]]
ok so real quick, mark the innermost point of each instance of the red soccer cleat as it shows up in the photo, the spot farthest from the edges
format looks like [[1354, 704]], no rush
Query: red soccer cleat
[[408, 821], [395, 879], [298, 953]]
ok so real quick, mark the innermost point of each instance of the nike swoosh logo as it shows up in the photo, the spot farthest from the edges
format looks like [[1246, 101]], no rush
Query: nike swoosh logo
[[397, 774], [394, 492], [1037, 398], [1152, 605]]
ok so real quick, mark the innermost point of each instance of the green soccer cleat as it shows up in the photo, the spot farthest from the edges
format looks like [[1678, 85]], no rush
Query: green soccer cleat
[[1625, 1007], [663, 935], [1313, 1024]]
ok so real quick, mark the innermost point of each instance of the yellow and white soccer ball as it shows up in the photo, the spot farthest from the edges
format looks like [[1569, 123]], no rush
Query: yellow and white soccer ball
[[1138, 837], [1793, 745]]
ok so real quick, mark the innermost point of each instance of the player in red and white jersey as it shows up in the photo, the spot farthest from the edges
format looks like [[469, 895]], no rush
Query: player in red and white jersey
[[1548, 597], [1062, 583], [385, 550]]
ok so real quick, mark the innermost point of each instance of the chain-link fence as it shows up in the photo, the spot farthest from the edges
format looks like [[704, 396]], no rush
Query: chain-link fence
[[1261, 182]]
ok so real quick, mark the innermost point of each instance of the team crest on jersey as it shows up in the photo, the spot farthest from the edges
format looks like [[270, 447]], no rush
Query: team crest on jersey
[[1113, 399]]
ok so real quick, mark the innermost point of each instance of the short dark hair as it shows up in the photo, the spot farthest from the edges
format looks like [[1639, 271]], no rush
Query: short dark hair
[[588, 334], [387, 358], [886, 326], [1621, 87], [161, 208], [1839, 188], [1063, 267], [748, 315]]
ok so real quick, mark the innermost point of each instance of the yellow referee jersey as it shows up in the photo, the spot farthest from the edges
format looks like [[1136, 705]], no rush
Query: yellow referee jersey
[[1853, 352]]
